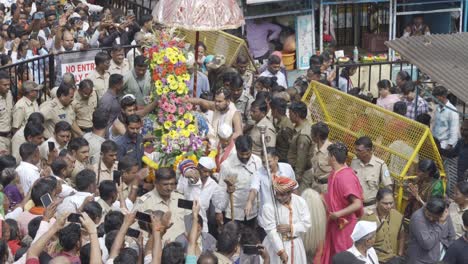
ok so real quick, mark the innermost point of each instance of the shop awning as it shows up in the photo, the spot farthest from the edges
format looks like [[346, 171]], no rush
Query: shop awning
[[442, 57]]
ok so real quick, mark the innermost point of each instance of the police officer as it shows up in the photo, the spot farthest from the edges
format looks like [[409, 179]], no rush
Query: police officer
[[258, 112], [300, 146], [283, 125], [242, 99], [84, 104], [26, 105], [6, 107], [372, 172], [58, 109], [320, 167], [163, 198]]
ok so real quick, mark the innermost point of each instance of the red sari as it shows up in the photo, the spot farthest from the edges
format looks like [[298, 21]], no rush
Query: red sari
[[341, 185]]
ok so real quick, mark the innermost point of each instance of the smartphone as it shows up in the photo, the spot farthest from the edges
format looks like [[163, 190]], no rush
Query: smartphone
[[46, 200], [133, 233], [74, 218], [130, 13], [122, 20], [185, 204], [51, 146], [144, 217], [250, 249], [117, 175]]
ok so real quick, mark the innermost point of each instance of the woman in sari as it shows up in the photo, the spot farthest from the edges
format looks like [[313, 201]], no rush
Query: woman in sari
[[428, 185]]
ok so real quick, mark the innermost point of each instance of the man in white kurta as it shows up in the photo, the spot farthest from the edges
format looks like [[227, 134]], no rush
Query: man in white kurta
[[196, 184], [283, 240]]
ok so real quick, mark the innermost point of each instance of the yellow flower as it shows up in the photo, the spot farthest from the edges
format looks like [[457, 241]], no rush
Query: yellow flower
[[174, 85], [180, 124], [188, 116], [213, 154], [158, 84], [167, 125], [185, 133], [186, 76], [173, 59], [182, 85], [182, 91], [173, 134], [182, 58], [164, 140], [166, 90], [160, 60], [171, 78], [192, 128], [159, 91]]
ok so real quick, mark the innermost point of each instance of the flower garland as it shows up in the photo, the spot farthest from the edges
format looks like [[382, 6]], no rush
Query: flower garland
[[173, 123]]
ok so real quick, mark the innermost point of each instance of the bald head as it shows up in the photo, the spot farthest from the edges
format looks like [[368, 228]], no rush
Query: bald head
[[68, 42]]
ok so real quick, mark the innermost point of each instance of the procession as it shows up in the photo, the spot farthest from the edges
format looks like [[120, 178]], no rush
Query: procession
[[233, 132]]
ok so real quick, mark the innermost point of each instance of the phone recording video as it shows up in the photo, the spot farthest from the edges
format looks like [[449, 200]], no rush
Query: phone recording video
[[133, 233], [250, 249], [117, 175], [51, 146], [74, 218], [46, 200], [185, 204], [144, 217]]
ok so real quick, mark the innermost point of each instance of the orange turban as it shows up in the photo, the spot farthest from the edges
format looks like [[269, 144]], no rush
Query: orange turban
[[284, 184]]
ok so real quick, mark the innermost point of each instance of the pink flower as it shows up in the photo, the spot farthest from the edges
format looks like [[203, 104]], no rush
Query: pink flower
[[181, 111], [172, 109], [189, 107], [172, 96], [171, 117], [165, 107]]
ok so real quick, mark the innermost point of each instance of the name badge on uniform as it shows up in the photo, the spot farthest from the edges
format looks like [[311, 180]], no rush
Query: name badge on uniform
[[62, 116]]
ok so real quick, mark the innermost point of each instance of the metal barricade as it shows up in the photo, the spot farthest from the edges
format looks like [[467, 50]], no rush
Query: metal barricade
[[42, 70]]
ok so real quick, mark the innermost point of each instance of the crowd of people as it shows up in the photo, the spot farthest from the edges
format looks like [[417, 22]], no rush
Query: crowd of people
[[75, 189]]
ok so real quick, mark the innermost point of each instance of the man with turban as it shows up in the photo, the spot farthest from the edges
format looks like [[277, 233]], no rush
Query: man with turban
[[195, 183], [286, 223]]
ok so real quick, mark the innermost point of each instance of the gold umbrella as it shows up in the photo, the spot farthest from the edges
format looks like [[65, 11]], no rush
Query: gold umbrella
[[199, 15]]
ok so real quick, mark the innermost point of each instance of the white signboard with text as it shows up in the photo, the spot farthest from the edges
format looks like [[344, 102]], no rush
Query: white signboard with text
[[81, 64]]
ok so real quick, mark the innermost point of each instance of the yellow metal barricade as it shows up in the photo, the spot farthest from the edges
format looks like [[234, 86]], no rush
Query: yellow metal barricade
[[221, 43], [399, 141]]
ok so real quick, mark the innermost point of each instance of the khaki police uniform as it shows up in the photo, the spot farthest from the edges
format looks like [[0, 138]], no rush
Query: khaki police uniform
[[270, 136], [6, 108], [55, 112], [16, 141], [101, 82], [284, 132], [22, 110], [372, 176], [104, 173], [243, 104], [152, 201], [317, 176], [300, 151], [84, 109], [119, 69]]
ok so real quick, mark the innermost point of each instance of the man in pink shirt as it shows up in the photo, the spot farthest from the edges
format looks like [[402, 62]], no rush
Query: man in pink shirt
[[343, 202]]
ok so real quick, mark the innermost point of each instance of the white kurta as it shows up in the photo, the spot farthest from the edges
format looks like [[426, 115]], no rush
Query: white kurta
[[300, 222]]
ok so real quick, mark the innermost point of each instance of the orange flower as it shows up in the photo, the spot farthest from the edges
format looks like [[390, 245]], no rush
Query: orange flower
[[170, 68], [156, 76], [178, 71]]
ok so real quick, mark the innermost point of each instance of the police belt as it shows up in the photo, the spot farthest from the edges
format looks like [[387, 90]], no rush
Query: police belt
[[5, 134]]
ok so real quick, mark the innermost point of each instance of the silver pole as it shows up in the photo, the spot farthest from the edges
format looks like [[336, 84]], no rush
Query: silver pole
[[267, 166]]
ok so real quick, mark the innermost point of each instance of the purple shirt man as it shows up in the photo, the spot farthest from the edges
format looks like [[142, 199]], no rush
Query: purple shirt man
[[258, 36]]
